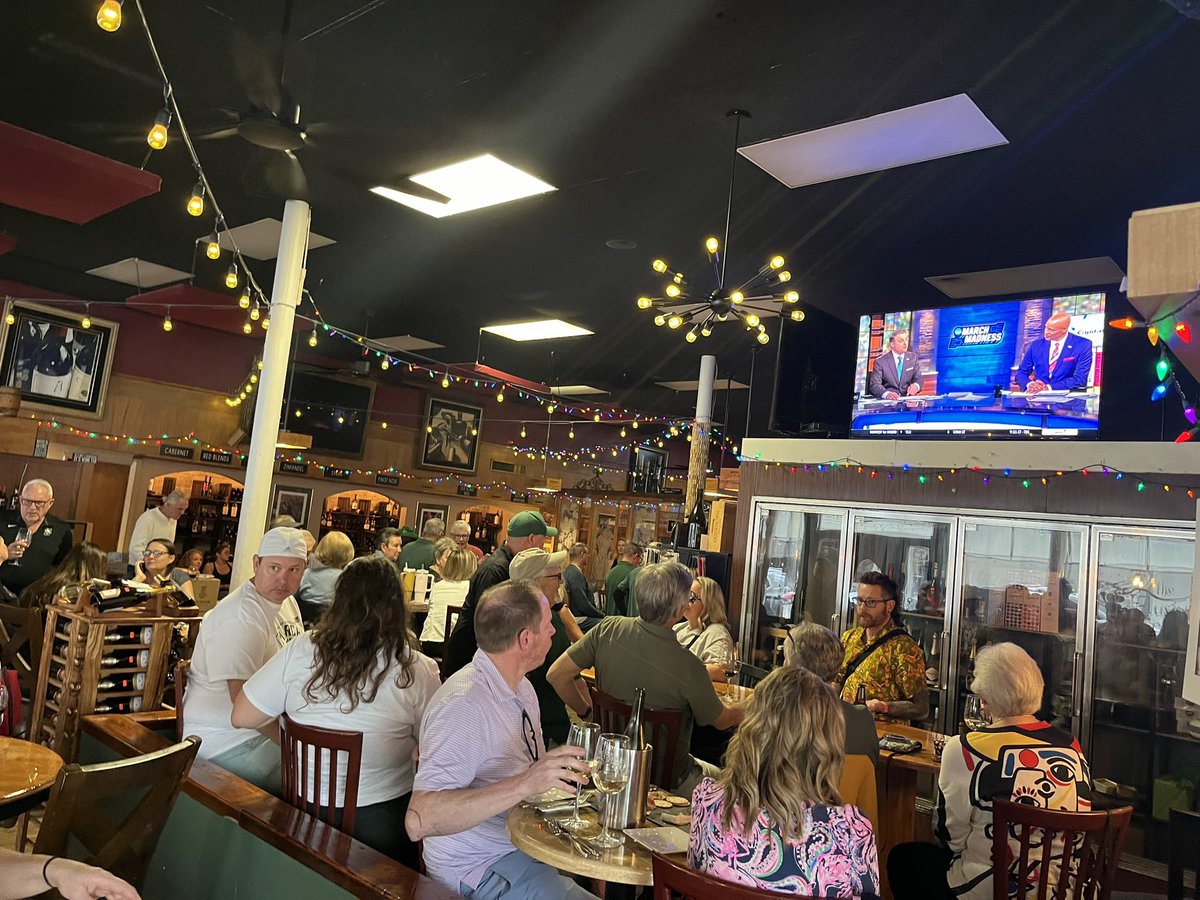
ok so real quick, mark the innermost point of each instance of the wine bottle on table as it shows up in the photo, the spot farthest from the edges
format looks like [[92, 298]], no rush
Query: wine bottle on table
[[860, 696], [634, 730]]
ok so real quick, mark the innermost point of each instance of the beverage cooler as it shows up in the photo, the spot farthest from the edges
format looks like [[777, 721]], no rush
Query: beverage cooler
[[1102, 608]]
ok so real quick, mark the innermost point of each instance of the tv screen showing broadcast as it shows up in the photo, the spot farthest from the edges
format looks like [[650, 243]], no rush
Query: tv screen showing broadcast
[[1007, 369]]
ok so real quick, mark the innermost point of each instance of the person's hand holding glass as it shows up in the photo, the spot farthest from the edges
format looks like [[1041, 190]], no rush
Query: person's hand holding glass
[[975, 717], [585, 735], [614, 765], [17, 548]]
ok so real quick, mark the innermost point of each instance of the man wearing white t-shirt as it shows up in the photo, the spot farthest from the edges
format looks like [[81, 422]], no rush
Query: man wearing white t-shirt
[[238, 636]]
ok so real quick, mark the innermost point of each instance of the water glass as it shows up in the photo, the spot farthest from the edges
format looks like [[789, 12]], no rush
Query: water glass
[[587, 736]]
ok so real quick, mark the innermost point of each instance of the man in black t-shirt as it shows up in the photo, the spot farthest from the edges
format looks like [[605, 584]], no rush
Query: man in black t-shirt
[[48, 543]]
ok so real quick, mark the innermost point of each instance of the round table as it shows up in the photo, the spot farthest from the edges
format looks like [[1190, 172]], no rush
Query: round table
[[628, 864], [27, 770]]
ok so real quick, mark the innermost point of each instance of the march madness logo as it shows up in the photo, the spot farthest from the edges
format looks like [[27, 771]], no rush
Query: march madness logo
[[976, 335]]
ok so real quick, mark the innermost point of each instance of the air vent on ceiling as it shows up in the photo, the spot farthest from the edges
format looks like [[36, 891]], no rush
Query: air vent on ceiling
[[499, 465]]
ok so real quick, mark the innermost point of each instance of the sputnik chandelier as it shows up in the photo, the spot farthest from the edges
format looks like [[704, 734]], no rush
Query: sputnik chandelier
[[765, 291]]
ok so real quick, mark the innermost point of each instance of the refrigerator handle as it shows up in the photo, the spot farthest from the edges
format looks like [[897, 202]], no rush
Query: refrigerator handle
[[1077, 686], [945, 673], [833, 623]]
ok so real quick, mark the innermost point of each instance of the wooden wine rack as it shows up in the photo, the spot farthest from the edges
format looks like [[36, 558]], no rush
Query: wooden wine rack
[[73, 670]]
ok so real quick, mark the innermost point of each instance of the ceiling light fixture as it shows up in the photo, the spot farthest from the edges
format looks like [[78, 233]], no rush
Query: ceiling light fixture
[[108, 16], [468, 185], [195, 205], [540, 330], [244, 300], [760, 293], [212, 246], [157, 136]]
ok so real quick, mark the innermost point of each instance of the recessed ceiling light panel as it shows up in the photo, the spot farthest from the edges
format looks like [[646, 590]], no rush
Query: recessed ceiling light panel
[[541, 330], [575, 390], [471, 184]]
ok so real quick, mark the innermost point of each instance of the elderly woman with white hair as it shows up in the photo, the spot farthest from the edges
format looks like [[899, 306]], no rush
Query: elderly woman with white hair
[[1016, 757], [816, 648]]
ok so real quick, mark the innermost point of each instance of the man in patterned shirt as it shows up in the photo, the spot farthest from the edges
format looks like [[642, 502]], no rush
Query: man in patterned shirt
[[882, 658]]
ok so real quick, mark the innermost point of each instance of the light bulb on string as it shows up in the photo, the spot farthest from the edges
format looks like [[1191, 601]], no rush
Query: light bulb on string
[[500, 396], [522, 431], [644, 302], [1162, 368], [157, 136], [86, 321], [108, 17], [797, 315], [195, 204], [660, 320], [244, 300], [596, 417], [1158, 393], [255, 314], [1189, 413], [763, 338], [167, 325], [1125, 323], [10, 319], [445, 381], [571, 434], [1152, 335], [247, 328], [1184, 332], [212, 246], [231, 277], [266, 322], [385, 364], [312, 339]]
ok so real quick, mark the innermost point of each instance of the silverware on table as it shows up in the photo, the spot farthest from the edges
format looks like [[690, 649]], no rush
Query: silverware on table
[[581, 847]]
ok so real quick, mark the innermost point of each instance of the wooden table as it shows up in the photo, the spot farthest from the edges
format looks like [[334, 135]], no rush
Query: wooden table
[[27, 771], [627, 864]]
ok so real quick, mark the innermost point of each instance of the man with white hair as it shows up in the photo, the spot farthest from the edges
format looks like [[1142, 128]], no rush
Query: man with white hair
[[49, 539], [158, 522], [418, 554], [460, 530], [237, 638]]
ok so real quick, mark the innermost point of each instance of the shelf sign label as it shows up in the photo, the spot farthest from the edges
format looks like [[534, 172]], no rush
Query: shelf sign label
[[216, 456], [520, 496], [393, 480], [176, 452], [84, 457], [468, 490], [298, 468], [340, 474]]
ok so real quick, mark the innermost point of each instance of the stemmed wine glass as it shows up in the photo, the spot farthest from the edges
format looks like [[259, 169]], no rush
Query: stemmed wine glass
[[730, 662], [587, 736], [614, 764], [23, 537], [974, 715]]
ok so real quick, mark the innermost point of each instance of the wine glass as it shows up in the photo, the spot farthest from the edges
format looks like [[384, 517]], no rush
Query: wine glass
[[587, 736], [974, 715], [614, 764], [23, 537], [730, 663]]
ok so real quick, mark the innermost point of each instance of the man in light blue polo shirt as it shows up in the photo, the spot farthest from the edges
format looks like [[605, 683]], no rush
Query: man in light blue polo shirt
[[482, 754]]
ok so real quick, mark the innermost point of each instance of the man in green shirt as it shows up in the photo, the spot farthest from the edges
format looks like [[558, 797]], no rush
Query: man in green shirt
[[419, 553], [631, 558]]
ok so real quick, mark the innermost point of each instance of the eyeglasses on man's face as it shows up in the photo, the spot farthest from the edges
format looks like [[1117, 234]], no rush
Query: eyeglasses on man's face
[[36, 504], [870, 602]]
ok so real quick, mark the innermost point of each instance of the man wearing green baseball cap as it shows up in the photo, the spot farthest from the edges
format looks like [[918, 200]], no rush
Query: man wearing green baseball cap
[[526, 530]]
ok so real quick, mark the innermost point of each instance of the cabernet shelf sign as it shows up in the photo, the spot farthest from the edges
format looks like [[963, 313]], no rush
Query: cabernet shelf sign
[[176, 452], [340, 474], [216, 456], [298, 468], [393, 480]]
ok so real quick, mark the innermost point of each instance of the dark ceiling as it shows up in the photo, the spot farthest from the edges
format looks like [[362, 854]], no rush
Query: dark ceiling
[[622, 106]]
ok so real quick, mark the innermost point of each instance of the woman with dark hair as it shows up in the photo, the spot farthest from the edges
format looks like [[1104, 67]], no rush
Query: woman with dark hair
[[158, 560], [221, 565], [84, 562], [357, 670]]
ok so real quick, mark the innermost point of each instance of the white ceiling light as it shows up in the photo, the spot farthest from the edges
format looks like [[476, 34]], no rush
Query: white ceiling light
[[471, 184], [541, 330]]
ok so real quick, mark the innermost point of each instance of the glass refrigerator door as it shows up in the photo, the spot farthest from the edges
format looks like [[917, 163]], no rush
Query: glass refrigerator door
[[792, 576], [914, 551], [1020, 583], [1144, 748]]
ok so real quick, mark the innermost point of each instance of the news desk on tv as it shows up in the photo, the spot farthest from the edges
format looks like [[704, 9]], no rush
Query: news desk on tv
[[1052, 413]]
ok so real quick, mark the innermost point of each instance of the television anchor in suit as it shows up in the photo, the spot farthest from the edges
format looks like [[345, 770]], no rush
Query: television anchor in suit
[[1057, 361], [897, 372]]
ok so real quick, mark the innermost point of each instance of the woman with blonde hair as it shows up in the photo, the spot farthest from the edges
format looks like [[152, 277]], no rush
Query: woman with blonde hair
[[457, 568], [441, 549], [331, 554], [703, 631], [773, 818]]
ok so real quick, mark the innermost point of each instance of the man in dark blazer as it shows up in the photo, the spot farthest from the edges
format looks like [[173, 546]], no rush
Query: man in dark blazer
[[1058, 361], [897, 371]]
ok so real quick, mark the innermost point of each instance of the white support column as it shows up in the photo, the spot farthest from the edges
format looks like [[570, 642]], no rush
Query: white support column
[[260, 465], [698, 457]]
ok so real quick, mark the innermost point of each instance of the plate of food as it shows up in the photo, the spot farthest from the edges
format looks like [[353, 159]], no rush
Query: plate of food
[[670, 809]]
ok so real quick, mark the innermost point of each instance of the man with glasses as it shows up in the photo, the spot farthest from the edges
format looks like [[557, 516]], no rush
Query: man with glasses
[[482, 754], [35, 540], [882, 658], [460, 530], [157, 522]]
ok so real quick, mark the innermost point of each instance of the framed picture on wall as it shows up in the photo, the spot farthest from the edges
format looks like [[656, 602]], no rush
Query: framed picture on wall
[[57, 363], [291, 501], [451, 435], [427, 511]]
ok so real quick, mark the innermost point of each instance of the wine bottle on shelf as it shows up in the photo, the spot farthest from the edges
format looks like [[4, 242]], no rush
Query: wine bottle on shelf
[[128, 661], [126, 634], [634, 731], [132, 683], [133, 704]]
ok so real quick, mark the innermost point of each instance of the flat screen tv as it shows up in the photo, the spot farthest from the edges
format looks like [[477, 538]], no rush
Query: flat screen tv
[[1004, 369], [334, 411]]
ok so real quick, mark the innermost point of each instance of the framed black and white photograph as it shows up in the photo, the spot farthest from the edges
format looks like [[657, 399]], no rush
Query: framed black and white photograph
[[55, 362], [291, 501], [451, 435], [427, 511]]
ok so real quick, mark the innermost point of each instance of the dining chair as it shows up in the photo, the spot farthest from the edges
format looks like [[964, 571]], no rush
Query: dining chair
[[451, 620], [1185, 851], [660, 725], [84, 803], [1081, 850], [182, 668], [673, 877], [320, 757], [858, 787], [749, 676], [21, 644]]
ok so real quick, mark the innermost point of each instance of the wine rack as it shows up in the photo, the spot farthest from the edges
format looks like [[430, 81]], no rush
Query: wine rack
[[110, 662]]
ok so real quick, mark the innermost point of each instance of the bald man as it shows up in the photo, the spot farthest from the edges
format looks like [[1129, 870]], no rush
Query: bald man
[[1059, 361]]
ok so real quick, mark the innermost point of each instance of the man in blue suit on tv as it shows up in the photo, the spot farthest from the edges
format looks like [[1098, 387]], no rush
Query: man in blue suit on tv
[[1059, 361], [897, 371]]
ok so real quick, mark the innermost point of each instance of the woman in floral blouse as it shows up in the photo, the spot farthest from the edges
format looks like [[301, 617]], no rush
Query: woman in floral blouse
[[773, 818]]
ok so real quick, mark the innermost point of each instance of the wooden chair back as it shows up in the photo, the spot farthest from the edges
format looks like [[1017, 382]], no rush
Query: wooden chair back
[[858, 787], [451, 620], [1185, 850], [115, 810], [182, 668], [674, 877], [749, 676], [21, 644], [660, 725], [1081, 849], [321, 754]]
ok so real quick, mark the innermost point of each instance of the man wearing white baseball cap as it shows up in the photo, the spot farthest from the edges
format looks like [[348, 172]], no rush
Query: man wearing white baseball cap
[[237, 637]]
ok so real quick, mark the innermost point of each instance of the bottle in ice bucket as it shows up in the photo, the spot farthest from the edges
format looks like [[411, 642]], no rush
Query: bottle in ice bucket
[[627, 807]]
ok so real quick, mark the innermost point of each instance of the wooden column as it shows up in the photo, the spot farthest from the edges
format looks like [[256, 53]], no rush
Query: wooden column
[[701, 428]]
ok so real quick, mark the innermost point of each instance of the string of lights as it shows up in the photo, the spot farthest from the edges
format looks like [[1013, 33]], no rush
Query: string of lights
[[1163, 368]]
